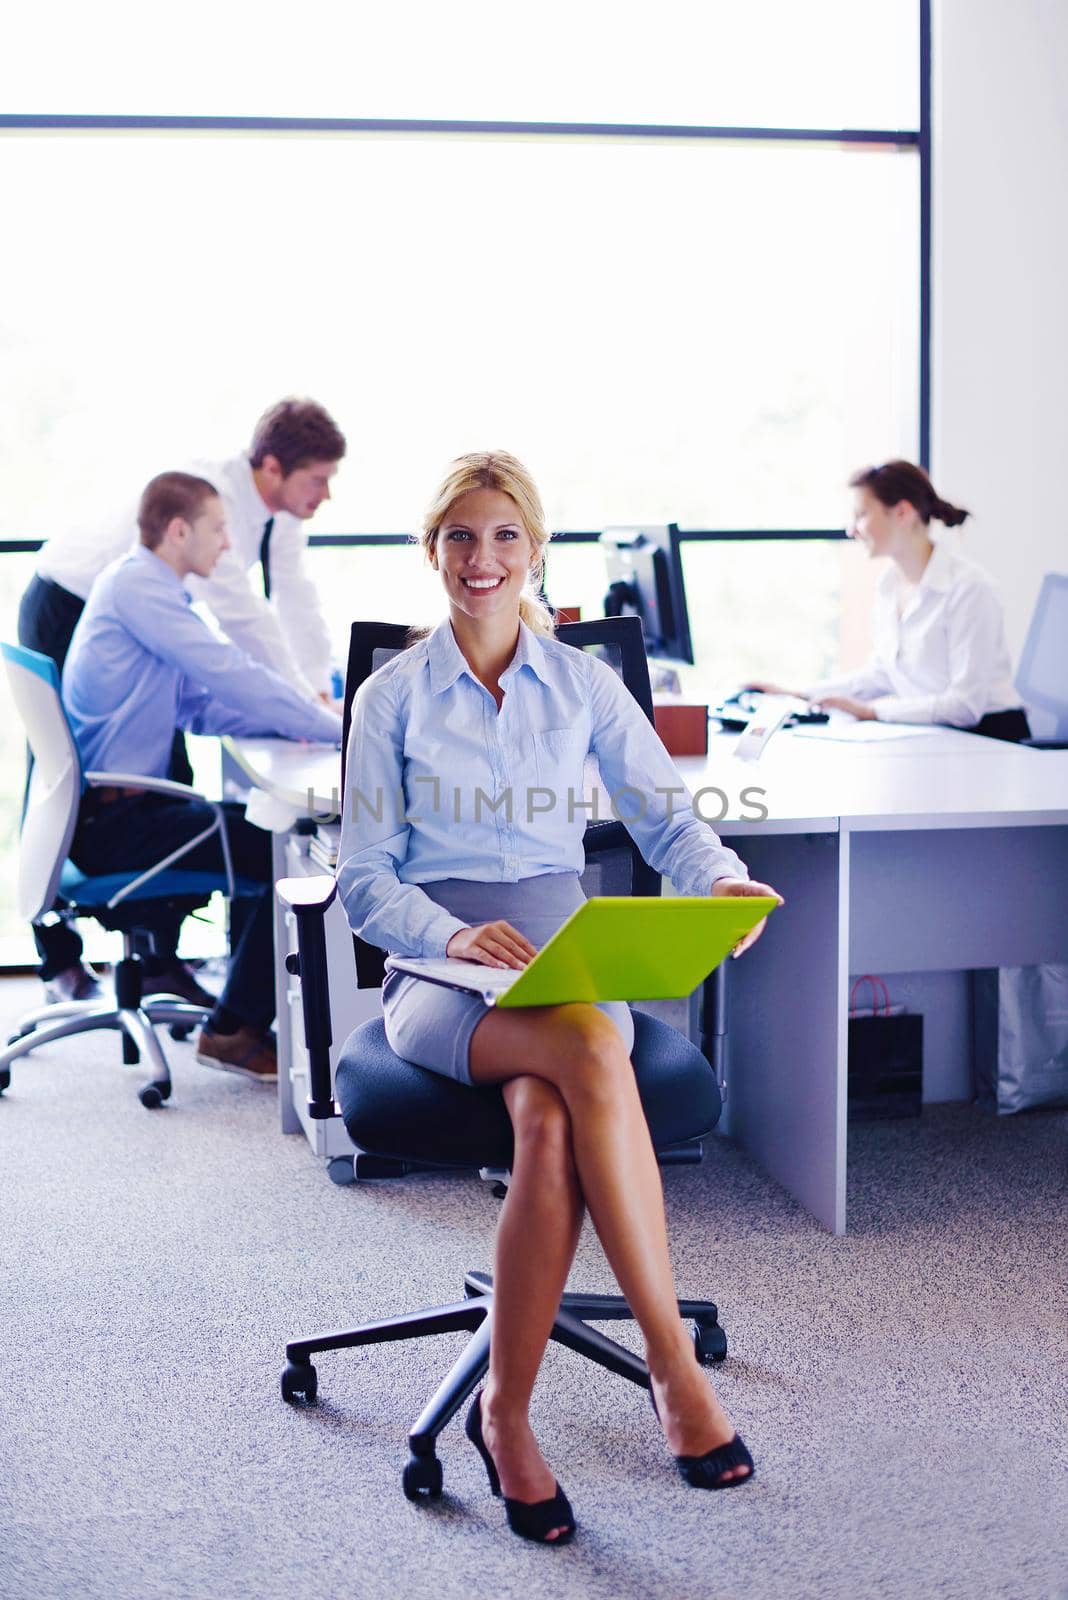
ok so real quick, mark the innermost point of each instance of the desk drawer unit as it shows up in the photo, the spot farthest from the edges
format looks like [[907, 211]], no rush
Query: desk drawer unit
[[349, 1007]]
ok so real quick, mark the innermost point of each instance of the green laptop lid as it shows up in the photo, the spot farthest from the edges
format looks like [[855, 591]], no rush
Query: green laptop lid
[[638, 948]]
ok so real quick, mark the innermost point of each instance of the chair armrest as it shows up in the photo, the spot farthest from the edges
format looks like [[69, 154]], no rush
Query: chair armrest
[[179, 791], [136, 780], [304, 895], [309, 899]]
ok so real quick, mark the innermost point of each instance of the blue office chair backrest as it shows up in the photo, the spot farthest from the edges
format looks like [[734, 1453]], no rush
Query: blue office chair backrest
[[56, 783]]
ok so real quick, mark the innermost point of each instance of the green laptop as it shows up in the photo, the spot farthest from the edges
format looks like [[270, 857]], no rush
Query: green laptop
[[612, 948]]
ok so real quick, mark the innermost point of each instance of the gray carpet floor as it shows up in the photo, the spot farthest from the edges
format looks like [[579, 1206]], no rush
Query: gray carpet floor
[[904, 1389]]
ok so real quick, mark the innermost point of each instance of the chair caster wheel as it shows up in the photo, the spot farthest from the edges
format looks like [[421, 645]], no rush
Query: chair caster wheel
[[5, 1079], [179, 1031], [339, 1169], [365, 1166], [299, 1378], [153, 1095], [422, 1478], [709, 1343], [499, 1191]]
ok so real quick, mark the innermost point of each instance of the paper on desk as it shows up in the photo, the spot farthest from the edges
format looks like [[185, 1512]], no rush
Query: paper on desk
[[265, 811], [849, 730]]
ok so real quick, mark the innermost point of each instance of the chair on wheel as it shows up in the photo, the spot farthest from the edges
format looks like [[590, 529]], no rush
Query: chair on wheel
[[393, 1109], [116, 900]]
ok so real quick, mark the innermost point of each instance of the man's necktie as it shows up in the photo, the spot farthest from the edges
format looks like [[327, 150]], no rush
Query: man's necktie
[[265, 557]]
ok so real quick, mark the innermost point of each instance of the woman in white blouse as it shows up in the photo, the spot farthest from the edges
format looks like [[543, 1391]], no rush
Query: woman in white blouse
[[491, 701], [939, 641]]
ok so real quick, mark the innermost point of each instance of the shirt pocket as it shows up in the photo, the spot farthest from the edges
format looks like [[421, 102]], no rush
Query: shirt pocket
[[559, 754]]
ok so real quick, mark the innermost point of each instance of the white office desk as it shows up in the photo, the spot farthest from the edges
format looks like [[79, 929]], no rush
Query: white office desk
[[939, 853], [306, 778]]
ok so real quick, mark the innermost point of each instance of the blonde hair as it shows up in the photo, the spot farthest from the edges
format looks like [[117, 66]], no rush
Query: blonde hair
[[497, 470]]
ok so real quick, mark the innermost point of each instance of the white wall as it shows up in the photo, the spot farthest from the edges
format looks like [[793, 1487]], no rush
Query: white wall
[[1000, 349]]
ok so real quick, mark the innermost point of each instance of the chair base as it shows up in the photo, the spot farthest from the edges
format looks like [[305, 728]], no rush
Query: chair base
[[422, 1477], [362, 1168], [133, 1014]]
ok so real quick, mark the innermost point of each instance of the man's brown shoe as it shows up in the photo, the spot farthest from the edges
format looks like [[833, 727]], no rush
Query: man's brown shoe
[[248, 1051], [177, 979]]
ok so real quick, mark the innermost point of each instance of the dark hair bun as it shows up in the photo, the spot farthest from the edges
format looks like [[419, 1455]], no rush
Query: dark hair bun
[[951, 515]]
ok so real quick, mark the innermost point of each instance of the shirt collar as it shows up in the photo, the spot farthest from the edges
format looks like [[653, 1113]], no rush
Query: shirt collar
[[257, 510], [937, 574], [529, 652], [157, 565], [447, 661]]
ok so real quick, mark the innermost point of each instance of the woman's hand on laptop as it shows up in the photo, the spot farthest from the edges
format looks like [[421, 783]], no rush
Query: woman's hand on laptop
[[494, 944], [746, 886]]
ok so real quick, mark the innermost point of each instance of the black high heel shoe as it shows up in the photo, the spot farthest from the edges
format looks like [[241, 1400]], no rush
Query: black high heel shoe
[[706, 1472], [532, 1520]]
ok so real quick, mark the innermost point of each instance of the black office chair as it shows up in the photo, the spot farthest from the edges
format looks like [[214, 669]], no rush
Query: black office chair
[[393, 1109]]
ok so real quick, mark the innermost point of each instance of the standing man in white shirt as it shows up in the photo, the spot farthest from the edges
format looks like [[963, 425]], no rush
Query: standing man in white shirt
[[268, 494]]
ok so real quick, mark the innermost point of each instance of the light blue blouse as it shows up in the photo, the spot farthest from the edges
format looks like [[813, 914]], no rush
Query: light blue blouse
[[440, 785]]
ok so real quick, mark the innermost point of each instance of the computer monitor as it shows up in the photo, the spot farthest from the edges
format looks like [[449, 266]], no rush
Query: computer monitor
[[644, 571], [1042, 676]]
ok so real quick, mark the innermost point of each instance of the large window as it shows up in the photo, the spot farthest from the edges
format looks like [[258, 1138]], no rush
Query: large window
[[667, 324], [755, 63], [710, 333]]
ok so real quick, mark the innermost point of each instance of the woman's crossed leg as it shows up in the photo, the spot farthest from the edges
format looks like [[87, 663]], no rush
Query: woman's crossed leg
[[581, 1139]]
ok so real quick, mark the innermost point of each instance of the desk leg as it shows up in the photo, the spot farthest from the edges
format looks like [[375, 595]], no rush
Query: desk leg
[[786, 1046], [290, 1122]]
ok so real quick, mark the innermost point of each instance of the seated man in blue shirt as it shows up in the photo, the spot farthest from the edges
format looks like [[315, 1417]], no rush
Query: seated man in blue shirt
[[142, 663]]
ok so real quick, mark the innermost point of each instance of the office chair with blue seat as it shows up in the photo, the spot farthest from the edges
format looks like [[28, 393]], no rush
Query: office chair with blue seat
[[396, 1110], [57, 785]]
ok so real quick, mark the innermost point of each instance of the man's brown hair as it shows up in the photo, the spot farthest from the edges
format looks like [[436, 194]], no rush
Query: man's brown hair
[[170, 495], [296, 432]]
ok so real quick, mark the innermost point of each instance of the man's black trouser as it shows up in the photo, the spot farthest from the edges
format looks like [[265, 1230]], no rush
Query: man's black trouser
[[48, 614], [137, 830]]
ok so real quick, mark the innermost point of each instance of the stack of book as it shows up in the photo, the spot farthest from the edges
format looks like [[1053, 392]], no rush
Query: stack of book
[[322, 846]]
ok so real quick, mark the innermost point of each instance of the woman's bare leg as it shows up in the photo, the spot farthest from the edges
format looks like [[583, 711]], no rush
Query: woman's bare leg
[[579, 1051], [537, 1235]]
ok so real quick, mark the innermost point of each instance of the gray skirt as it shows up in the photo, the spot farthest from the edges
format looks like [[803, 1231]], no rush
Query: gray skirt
[[433, 1026]]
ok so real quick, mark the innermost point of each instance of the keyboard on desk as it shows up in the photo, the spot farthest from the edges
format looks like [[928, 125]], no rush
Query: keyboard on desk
[[737, 710]]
